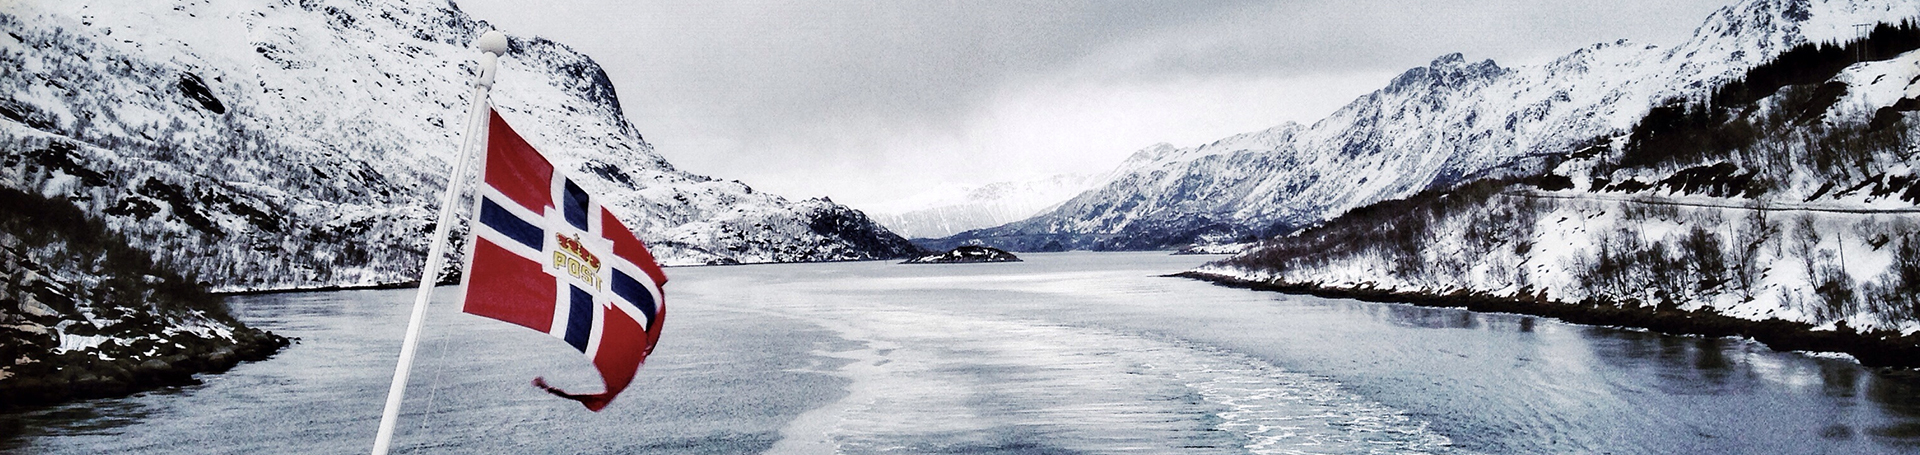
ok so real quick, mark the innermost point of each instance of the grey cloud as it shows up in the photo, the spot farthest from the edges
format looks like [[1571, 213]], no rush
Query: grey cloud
[[762, 90]]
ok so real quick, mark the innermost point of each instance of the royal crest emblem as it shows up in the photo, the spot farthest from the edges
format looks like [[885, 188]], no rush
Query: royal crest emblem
[[573, 257]]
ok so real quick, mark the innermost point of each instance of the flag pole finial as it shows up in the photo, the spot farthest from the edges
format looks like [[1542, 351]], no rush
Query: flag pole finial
[[492, 44]]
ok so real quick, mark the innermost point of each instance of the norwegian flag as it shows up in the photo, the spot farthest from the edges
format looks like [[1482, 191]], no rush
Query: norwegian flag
[[545, 255]]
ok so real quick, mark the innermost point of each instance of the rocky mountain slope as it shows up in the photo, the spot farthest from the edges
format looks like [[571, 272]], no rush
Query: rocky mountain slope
[[1783, 205], [1432, 127], [263, 144]]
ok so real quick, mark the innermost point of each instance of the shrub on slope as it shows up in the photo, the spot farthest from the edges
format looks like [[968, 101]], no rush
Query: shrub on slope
[[83, 314]]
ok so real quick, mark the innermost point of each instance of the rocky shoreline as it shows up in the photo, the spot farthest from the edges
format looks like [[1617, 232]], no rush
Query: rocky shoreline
[[1879, 348], [84, 374], [967, 254], [85, 314]]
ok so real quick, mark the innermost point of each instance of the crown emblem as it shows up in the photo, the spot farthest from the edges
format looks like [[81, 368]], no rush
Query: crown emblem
[[572, 246], [574, 258]]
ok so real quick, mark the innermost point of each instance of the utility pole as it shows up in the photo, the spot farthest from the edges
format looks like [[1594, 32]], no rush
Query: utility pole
[[1860, 41], [1840, 237]]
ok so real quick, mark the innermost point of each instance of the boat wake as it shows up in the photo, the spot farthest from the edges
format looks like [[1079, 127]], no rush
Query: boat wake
[[932, 381]]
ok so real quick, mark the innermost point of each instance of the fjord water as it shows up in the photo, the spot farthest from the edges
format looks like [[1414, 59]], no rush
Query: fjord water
[[1064, 353]]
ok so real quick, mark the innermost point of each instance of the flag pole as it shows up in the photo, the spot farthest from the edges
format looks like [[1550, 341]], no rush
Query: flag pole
[[493, 44]]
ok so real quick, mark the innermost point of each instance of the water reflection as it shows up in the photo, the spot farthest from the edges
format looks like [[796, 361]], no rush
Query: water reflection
[[1838, 432], [1899, 394], [1429, 317], [1681, 365], [1688, 385], [1839, 380], [1722, 366], [86, 417]]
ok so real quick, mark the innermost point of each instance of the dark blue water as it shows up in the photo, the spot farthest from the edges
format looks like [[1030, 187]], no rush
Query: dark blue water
[[1065, 353]]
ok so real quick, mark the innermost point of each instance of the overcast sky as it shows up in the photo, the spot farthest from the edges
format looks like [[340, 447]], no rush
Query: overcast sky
[[872, 102]]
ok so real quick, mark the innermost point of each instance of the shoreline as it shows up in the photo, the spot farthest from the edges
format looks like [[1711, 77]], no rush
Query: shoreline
[[416, 283], [1880, 348], [362, 287], [85, 378]]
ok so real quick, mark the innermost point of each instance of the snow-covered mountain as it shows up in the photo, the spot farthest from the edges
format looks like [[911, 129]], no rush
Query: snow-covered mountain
[[273, 144], [1784, 206], [1432, 127], [945, 213]]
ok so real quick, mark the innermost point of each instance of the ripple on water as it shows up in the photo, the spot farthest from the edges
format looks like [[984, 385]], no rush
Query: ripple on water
[[935, 382]]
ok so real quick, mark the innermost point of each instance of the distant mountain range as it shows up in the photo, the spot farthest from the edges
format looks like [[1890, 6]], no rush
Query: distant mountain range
[[962, 209], [264, 144], [1433, 127]]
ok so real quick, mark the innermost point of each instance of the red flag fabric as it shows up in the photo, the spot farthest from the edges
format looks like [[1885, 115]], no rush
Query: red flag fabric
[[545, 255]]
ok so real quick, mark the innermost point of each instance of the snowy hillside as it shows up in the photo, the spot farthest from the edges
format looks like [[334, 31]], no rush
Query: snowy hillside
[[946, 213], [274, 144], [1432, 127], [83, 314], [1787, 198]]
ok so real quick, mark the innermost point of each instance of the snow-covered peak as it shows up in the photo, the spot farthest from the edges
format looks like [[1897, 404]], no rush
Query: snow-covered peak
[[1162, 153], [303, 143], [947, 212], [1447, 71], [1152, 153]]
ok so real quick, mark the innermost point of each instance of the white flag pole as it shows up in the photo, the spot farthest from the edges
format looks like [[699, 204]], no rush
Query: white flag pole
[[493, 44]]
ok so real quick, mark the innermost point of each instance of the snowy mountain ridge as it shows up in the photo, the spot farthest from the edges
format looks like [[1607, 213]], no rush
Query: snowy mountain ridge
[[1431, 127], [1783, 205], [945, 213], [302, 143]]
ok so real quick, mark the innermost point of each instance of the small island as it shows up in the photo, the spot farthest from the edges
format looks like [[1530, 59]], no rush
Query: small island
[[966, 254]]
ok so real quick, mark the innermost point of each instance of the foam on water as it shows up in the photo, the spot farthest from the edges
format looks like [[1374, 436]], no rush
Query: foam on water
[[932, 381]]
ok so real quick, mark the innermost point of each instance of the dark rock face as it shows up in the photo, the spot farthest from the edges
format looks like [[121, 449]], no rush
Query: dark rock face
[[195, 89], [965, 255], [861, 233]]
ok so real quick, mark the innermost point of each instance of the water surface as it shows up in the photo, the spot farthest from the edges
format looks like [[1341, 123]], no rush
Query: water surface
[[1065, 353]]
